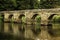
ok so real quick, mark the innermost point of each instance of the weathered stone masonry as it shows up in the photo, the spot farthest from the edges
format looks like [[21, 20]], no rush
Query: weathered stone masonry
[[44, 13]]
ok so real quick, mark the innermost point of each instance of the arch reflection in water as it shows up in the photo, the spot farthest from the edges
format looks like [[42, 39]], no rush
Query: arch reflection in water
[[21, 30], [6, 28], [36, 29], [12, 28]]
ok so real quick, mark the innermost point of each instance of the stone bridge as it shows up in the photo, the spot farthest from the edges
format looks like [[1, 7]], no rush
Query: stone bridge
[[45, 14]]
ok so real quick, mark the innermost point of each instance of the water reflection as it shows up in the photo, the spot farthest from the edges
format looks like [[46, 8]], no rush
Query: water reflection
[[54, 29], [16, 31]]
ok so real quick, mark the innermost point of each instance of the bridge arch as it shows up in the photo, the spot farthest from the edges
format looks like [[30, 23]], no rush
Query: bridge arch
[[34, 16], [21, 18], [10, 16], [21, 15], [50, 17]]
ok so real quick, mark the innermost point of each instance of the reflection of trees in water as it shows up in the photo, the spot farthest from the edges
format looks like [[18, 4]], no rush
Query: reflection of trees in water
[[22, 28], [1, 22], [54, 29], [10, 27], [36, 29], [54, 25], [4, 36], [50, 29], [36, 24], [2, 27]]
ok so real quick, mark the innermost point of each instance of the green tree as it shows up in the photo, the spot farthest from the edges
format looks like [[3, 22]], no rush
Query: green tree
[[34, 4], [28, 4], [46, 4], [6, 5], [49, 3]]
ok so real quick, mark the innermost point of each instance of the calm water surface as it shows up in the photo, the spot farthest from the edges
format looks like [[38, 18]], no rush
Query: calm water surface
[[14, 31]]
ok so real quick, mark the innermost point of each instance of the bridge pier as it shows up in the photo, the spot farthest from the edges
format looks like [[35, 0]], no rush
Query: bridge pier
[[44, 18], [44, 22]]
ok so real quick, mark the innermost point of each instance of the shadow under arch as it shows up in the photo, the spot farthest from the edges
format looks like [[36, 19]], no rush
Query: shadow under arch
[[10, 16], [20, 17], [34, 16], [50, 18]]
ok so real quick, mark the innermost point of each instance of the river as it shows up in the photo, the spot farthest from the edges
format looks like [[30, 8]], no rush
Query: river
[[14, 31]]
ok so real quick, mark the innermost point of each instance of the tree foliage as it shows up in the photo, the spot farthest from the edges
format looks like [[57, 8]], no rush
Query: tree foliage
[[28, 4], [49, 3]]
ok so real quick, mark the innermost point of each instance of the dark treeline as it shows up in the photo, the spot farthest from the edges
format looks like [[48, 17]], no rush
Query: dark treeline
[[28, 4]]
